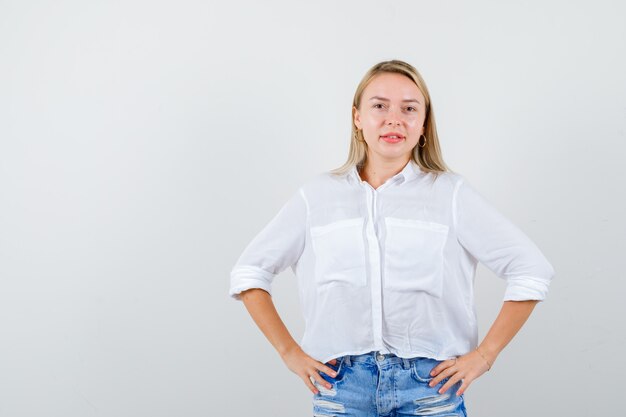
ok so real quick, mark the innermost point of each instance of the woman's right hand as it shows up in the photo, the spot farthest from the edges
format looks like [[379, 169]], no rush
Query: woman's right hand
[[306, 367]]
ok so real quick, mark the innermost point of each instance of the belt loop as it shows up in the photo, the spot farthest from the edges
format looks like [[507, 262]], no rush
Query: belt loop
[[405, 363], [347, 361]]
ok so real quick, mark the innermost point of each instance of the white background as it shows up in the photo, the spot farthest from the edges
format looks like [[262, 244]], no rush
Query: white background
[[144, 143]]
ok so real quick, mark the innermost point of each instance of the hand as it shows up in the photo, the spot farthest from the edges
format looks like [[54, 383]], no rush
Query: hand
[[306, 367], [466, 368]]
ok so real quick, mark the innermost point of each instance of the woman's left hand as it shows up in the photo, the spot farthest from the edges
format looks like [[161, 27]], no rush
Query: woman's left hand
[[466, 368]]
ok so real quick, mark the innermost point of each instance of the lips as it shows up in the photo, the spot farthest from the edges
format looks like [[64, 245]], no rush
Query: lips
[[392, 137]]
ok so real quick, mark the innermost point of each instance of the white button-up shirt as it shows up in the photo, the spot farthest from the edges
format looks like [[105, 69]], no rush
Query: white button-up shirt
[[390, 269]]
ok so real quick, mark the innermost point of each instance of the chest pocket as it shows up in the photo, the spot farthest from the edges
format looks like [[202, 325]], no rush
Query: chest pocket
[[340, 252], [414, 255]]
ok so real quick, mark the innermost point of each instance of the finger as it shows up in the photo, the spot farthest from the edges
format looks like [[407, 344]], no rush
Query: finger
[[328, 371], [453, 380], [441, 366], [309, 384], [333, 361], [318, 378], [463, 387], [442, 375]]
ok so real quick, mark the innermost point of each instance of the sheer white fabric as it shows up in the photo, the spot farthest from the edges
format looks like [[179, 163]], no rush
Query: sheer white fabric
[[390, 269]]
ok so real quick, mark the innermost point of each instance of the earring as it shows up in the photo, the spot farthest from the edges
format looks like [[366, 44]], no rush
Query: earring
[[418, 142]]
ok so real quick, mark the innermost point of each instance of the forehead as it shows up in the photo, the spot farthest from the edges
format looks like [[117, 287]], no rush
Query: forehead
[[393, 86]]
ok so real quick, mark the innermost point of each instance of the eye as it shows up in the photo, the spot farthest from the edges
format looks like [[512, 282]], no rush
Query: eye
[[378, 104], [411, 107]]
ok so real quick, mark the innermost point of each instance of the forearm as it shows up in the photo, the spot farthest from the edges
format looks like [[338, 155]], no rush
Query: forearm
[[261, 307], [510, 319]]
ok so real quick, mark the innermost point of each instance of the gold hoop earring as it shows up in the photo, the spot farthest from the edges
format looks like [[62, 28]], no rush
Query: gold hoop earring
[[418, 142]]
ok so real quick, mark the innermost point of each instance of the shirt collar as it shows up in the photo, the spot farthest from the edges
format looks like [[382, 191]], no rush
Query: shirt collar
[[410, 171]]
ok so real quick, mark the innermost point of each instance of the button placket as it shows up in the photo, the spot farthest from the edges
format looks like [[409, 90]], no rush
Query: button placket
[[375, 265]]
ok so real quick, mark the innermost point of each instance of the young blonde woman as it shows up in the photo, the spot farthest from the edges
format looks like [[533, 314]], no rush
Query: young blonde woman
[[385, 250]]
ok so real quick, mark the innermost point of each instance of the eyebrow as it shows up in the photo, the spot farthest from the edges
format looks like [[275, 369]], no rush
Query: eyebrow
[[386, 99]]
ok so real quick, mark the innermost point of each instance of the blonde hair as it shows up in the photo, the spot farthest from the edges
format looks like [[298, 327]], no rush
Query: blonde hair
[[429, 157]]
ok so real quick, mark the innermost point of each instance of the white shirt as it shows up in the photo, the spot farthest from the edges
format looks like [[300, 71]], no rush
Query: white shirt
[[390, 269]]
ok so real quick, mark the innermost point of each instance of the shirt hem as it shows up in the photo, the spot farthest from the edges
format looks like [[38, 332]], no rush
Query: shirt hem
[[406, 355]]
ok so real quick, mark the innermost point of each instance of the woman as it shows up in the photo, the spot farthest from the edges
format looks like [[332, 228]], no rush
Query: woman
[[385, 249]]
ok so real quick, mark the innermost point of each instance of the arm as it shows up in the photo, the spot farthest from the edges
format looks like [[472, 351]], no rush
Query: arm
[[260, 306], [509, 321], [276, 247], [502, 247], [472, 365]]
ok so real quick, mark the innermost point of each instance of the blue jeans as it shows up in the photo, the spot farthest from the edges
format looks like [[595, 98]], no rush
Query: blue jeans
[[375, 385]]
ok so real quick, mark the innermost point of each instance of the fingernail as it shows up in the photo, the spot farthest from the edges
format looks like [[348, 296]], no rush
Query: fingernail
[[432, 373], [440, 391], [333, 374]]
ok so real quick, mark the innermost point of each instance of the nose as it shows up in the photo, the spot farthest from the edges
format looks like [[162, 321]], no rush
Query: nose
[[393, 118]]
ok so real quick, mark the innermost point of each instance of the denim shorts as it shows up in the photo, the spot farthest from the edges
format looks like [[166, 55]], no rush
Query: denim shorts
[[377, 385]]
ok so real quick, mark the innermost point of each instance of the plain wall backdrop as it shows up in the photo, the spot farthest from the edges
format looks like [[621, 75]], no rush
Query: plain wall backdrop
[[143, 144]]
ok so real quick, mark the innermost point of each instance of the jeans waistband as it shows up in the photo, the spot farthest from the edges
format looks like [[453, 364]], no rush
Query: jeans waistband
[[377, 358]]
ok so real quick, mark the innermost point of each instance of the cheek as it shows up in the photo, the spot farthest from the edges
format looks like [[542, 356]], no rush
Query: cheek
[[415, 123], [373, 121]]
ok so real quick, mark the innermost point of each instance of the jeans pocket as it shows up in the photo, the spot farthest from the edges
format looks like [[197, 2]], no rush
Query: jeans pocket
[[421, 368], [338, 368]]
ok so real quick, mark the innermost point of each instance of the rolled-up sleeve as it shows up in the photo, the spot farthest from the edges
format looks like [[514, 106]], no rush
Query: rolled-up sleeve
[[500, 245], [276, 247]]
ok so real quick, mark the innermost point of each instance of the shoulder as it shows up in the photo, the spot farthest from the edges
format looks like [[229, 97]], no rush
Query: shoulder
[[447, 180], [451, 177], [323, 181]]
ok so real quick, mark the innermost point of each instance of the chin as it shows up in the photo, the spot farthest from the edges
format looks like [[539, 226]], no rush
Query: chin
[[398, 153]]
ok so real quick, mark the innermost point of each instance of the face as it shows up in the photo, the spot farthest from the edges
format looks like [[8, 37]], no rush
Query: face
[[391, 103]]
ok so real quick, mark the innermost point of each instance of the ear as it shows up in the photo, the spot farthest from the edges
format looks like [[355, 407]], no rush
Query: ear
[[356, 116]]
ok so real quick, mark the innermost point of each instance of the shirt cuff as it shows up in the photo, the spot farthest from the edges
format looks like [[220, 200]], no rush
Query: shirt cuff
[[245, 277], [526, 288]]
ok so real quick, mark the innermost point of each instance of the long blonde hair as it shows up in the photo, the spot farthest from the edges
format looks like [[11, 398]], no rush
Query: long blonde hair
[[429, 157]]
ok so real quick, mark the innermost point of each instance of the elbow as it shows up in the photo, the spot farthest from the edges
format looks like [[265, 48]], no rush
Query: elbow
[[244, 278], [529, 287], [252, 294]]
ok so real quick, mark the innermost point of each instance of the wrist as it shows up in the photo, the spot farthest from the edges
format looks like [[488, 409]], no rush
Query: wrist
[[288, 349], [489, 353], [490, 347]]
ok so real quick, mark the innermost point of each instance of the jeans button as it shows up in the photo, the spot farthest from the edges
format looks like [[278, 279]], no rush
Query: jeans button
[[380, 357]]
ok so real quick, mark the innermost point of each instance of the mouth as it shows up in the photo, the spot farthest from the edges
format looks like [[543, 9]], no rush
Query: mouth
[[392, 137]]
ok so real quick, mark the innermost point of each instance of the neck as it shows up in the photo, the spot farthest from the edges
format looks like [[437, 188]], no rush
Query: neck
[[377, 173]]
